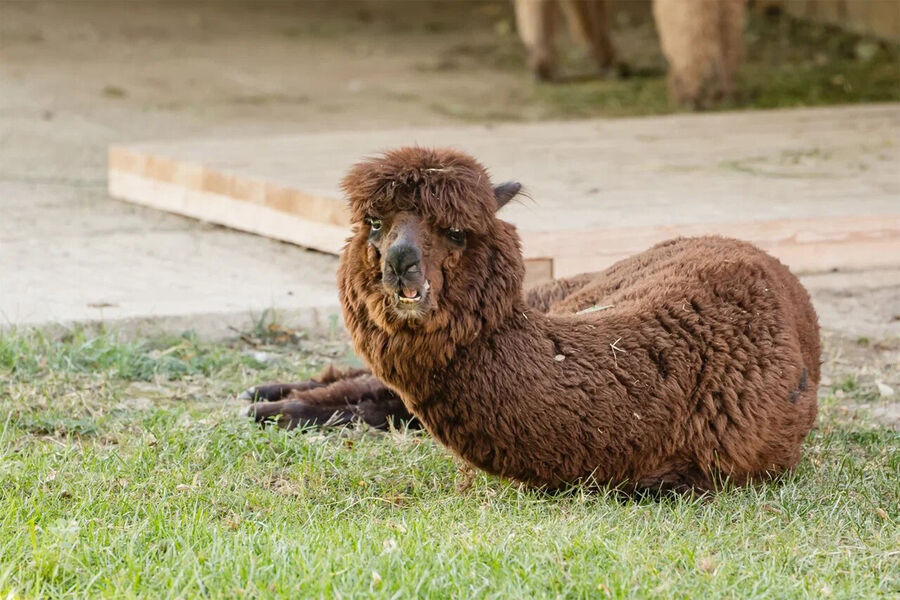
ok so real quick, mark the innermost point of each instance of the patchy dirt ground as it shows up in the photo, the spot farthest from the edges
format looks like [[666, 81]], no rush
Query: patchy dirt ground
[[76, 76], [863, 374]]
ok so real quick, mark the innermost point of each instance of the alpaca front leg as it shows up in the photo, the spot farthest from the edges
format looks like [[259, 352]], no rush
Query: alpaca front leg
[[362, 398], [273, 392], [289, 414]]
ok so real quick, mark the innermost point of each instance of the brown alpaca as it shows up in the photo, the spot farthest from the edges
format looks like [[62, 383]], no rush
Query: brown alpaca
[[701, 40], [693, 362]]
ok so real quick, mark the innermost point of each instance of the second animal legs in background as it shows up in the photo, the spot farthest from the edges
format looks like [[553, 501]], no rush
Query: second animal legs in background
[[588, 22]]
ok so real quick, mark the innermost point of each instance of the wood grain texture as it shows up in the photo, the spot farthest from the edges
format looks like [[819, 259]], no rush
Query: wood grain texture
[[816, 187]]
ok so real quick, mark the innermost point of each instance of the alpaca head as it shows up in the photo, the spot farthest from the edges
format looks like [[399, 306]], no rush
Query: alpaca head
[[427, 247]]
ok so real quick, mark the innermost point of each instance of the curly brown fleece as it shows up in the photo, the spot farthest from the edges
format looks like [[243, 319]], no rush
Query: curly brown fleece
[[693, 362]]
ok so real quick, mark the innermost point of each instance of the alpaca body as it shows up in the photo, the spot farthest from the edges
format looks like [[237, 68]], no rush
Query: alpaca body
[[700, 368], [688, 364], [703, 366]]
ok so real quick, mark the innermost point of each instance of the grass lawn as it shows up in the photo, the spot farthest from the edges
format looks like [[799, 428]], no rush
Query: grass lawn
[[124, 472]]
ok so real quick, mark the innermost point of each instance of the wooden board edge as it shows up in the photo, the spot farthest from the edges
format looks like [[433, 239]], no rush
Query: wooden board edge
[[806, 245], [224, 210], [197, 177]]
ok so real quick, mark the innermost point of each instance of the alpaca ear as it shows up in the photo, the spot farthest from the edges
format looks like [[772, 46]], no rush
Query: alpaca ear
[[506, 192]]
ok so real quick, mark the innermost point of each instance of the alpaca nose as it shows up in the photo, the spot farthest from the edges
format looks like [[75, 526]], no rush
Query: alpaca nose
[[403, 259]]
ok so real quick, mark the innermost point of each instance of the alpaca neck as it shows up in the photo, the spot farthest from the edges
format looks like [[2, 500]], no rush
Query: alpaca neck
[[479, 406], [415, 361]]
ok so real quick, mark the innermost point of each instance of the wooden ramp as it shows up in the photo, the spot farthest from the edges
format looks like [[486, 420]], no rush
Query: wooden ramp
[[819, 188]]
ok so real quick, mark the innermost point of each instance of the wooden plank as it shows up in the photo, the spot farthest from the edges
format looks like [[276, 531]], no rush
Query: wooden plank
[[200, 178], [224, 210], [816, 187], [806, 245], [810, 258], [538, 270]]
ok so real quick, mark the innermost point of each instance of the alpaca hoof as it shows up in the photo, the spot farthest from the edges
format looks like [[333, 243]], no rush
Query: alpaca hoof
[[544, 75], [261, 412], [543, 70], [251, 411], [621, 70]]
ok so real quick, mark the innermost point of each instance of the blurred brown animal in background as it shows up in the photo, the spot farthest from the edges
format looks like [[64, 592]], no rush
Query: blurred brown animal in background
[[588, 22], [701, 40]]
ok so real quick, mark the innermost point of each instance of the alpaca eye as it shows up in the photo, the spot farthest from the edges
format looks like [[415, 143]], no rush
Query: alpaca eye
[[457, 236], [374, 224]]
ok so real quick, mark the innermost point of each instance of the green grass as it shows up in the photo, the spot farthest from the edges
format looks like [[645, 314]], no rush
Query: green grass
[[124, 472]]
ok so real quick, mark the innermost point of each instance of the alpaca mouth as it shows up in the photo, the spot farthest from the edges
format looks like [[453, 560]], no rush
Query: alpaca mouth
[[411, 297]]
